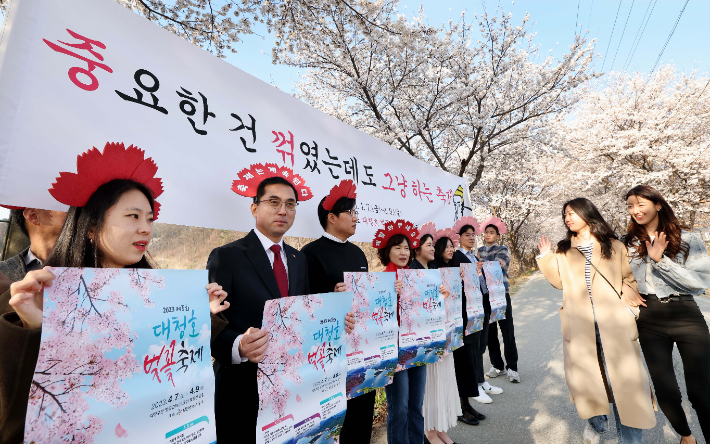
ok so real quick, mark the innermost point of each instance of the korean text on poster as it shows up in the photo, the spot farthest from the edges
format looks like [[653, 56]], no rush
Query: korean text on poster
[[496, 289], [125, 353], [372, 345], [453, 307], [474, 298], [301, 378], [422, 339]]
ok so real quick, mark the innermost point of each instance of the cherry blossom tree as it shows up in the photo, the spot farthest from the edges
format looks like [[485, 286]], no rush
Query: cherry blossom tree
[[284, 355], [72, 365], [450, 95], [632, 129], [526, 195], [216, 25]]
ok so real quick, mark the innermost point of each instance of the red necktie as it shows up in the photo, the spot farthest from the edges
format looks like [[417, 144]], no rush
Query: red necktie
[[280, 271]]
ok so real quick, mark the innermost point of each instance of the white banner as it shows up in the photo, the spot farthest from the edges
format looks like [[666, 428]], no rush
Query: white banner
[[77, 74]]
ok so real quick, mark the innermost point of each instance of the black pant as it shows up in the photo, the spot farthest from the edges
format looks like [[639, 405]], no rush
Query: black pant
[[480, 346], [680, 322], [508, 332], [357, 427]]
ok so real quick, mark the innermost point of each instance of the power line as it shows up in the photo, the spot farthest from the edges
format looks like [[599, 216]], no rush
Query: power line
[[589, 20], [622, 34], [638, 31], [576, 21], [669, 36], [612, 34]]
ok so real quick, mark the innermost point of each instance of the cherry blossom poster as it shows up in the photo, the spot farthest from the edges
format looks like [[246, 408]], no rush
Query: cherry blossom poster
[[422, 339], [301, 379], [496, 289], [474, 298], [372, 351], [124, 358], [453, 307]]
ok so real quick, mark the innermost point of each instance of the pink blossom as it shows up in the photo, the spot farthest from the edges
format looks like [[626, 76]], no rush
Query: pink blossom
[[72, 365]]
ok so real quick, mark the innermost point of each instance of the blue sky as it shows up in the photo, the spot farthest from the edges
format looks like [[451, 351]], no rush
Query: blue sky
[[554, 23]]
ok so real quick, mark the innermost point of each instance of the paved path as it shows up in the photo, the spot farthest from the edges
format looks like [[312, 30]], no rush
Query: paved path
[[538, 410]]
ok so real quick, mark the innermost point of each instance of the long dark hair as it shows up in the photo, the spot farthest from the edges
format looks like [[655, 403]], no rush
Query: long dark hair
[[384, 253], [667, 223], [598, 227], [439, 249], [74, 247]]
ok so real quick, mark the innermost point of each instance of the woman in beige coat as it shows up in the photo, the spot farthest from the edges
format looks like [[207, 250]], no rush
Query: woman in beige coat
[[602, 359]]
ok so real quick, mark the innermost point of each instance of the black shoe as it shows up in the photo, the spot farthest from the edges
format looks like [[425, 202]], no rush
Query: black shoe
[[473, 412], [471, 420]]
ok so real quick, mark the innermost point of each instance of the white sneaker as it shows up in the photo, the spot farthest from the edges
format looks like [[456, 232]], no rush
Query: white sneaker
[[490, 389], [482, 397], [494, 372], [513, 376], [590, 436]]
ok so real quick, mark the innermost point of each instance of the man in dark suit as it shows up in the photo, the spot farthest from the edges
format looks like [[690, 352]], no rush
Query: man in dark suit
[[252, 270]]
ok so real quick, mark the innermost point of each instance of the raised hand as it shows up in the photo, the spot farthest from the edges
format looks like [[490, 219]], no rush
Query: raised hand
[[253, 344], [398, 286], [340, 286], [656, 250], [544, 245], [217, 298], [349, 323], [27, 296], [444, 291]]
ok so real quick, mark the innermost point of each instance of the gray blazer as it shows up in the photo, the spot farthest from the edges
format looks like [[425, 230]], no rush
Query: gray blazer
[[678, 276], [14, 268]]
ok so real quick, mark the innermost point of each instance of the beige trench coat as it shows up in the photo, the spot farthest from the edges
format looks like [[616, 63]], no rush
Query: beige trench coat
[[617, 329]]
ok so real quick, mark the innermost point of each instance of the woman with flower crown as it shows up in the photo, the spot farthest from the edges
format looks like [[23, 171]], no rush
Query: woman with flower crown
[[109, 225], [441, 405], [405, 395]]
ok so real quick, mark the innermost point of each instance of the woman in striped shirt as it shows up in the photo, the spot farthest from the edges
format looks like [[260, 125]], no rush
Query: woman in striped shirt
[[602, 358]]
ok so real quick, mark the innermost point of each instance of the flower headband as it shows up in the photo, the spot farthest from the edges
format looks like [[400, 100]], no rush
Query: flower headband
[[95, 168], [248, 180], [400, 226], [346, 188]]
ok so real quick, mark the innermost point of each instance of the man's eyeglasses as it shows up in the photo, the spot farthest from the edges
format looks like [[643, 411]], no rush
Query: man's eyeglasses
[[352, 213], [276, 203]]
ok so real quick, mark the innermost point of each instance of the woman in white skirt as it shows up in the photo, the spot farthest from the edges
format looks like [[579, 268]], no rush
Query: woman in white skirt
[[441, 397]]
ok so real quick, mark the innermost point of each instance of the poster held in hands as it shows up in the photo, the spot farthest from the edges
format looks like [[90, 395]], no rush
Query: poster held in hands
[[301, 379], [496, 289], [422, 339], [372, 351], [453, 306], [474, 298], [124, 353]]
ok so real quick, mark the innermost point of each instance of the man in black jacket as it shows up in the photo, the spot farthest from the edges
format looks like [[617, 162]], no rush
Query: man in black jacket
[[328, 259], [252, 270]]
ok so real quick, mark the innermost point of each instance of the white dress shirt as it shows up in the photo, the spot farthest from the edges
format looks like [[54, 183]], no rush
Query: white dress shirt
[[32, 262], [333, 238], [237, 358]]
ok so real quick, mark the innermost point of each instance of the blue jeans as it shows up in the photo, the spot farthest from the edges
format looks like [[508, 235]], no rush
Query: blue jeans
[[627, 435], [405, 400]]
